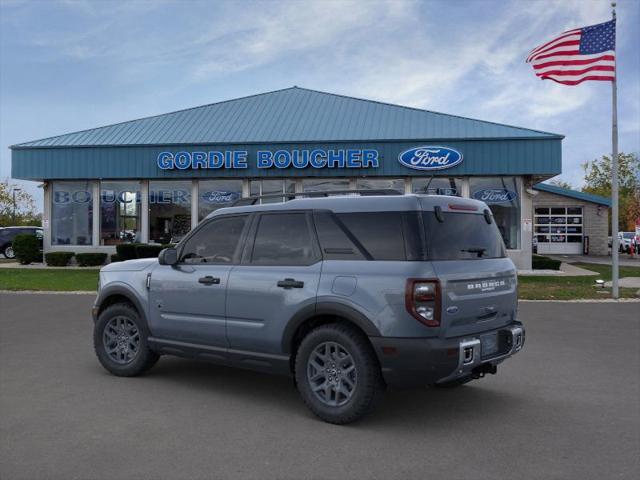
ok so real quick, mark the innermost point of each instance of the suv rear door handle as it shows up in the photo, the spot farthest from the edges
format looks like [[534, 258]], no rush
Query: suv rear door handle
[[209, 280], [290, 283]]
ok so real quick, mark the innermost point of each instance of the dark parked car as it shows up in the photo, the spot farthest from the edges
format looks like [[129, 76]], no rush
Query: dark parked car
[[7, 234]]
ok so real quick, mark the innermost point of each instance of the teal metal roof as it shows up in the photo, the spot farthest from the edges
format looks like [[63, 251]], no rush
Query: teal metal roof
[[565, 192], [289, 116]]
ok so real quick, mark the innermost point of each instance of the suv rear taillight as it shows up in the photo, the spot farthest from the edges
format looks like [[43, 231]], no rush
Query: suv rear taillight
[[422, 299]]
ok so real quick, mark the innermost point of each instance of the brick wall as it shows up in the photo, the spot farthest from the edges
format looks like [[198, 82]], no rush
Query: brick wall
[[595, 226]]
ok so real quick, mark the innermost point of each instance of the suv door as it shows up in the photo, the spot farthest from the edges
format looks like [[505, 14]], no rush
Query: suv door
[[278, 276], [187, 300]]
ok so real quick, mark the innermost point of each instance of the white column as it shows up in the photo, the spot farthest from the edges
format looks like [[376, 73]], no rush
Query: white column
[[526, 237], [407, 185], [465, 187], [245, 187], [144, 211], [95, 236], [194, 203], [46, 216], [299, 187]]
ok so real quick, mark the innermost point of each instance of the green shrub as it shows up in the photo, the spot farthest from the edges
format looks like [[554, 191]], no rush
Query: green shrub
[[545, 263], [127, 251], [115, 258], [90, 259], [148, 251], [58, 259], [27, 248]]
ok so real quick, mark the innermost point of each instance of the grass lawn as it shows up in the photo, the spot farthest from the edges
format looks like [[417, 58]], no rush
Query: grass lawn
[[48, 279], [530, 287], [568, 288]]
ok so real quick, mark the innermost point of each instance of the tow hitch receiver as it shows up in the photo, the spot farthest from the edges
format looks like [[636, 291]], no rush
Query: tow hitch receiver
[[481, 370]]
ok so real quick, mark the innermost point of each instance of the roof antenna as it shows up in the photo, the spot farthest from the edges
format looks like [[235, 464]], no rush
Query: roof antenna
[[426, 188]]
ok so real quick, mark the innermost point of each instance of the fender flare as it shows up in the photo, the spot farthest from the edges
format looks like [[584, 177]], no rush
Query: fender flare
[[327, 308], [121, 290]]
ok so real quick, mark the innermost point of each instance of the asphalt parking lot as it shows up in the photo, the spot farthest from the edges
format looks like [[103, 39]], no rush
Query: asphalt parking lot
[[567, 407]]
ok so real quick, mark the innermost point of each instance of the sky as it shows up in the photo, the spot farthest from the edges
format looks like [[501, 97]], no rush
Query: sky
[[72, 65]]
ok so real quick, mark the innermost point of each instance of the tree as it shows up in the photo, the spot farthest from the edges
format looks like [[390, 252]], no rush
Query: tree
[[558, 182], [25, 207], [597, 179]]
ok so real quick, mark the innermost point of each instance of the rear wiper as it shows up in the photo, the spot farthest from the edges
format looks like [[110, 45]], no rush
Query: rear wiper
[[479, 250]]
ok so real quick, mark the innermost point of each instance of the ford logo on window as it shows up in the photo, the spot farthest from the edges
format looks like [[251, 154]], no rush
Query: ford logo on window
[[219, 197], [430, 158], [495, 195]]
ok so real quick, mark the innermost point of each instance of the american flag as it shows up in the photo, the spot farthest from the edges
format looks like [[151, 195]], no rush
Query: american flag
[[587, 53]]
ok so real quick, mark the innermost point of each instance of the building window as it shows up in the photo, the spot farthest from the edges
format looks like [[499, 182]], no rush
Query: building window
[[71, 213], [502, 196], [215, 194], [169, 211], [381, 184], [437, 186], [119, 212], [271, 187], [324, 184]]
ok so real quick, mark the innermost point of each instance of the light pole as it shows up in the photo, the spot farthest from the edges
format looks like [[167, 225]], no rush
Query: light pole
[[14, 203]]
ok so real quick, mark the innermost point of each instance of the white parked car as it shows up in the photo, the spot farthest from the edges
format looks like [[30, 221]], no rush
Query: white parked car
[[625, 239]]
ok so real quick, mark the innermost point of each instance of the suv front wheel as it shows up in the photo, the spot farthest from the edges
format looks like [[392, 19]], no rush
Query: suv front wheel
[[120, 341], [337, 373]]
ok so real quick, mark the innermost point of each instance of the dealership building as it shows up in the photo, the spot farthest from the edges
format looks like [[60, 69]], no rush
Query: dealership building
[[153, 179]]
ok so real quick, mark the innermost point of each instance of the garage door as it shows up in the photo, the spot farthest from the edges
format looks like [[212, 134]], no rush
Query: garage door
[[558, 229]]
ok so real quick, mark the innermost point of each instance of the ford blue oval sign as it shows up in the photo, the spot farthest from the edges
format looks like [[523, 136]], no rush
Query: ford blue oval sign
[[495, 195], [217, 197], [430, 158]]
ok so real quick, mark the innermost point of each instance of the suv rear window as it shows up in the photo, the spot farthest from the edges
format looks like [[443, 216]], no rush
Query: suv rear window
[[462, 236]]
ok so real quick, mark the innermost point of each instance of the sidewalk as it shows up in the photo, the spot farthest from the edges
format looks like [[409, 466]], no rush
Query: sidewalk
[[624, 259], [566, 270], [37, 266]]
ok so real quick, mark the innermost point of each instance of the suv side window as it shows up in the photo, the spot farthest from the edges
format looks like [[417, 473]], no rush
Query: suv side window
[[216, 242], [336, 241], [283, 239], [380, 233]]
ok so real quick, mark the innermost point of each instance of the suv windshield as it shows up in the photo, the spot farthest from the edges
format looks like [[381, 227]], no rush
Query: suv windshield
[[462, 236]]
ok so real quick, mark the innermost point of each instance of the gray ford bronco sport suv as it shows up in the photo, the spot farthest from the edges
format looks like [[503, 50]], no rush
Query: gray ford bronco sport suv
[[346, 294]]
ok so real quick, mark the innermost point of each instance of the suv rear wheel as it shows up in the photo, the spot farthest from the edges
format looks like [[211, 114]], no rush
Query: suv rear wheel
[[337, 373], [8, 252], [120, 341]]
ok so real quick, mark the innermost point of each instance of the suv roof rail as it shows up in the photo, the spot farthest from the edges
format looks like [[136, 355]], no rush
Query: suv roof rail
[[327, 193]]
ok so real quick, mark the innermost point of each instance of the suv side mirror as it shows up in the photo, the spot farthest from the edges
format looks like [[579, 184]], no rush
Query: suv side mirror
[[168, 256]]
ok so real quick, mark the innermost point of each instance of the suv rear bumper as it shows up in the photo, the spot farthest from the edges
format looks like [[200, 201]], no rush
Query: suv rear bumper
[[415, 362]]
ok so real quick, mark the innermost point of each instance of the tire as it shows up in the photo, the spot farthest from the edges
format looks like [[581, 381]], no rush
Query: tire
[[120, 341], [342, 396], [8, 252], [454, 383]]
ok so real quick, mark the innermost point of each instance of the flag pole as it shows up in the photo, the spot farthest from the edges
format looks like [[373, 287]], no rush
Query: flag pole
[[614, 177]]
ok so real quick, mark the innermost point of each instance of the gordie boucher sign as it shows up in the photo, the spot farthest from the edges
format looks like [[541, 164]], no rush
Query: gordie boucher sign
[[418, 158]]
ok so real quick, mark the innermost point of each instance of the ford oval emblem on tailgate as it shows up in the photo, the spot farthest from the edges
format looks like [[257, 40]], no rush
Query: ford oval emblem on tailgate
[[452, 310]]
